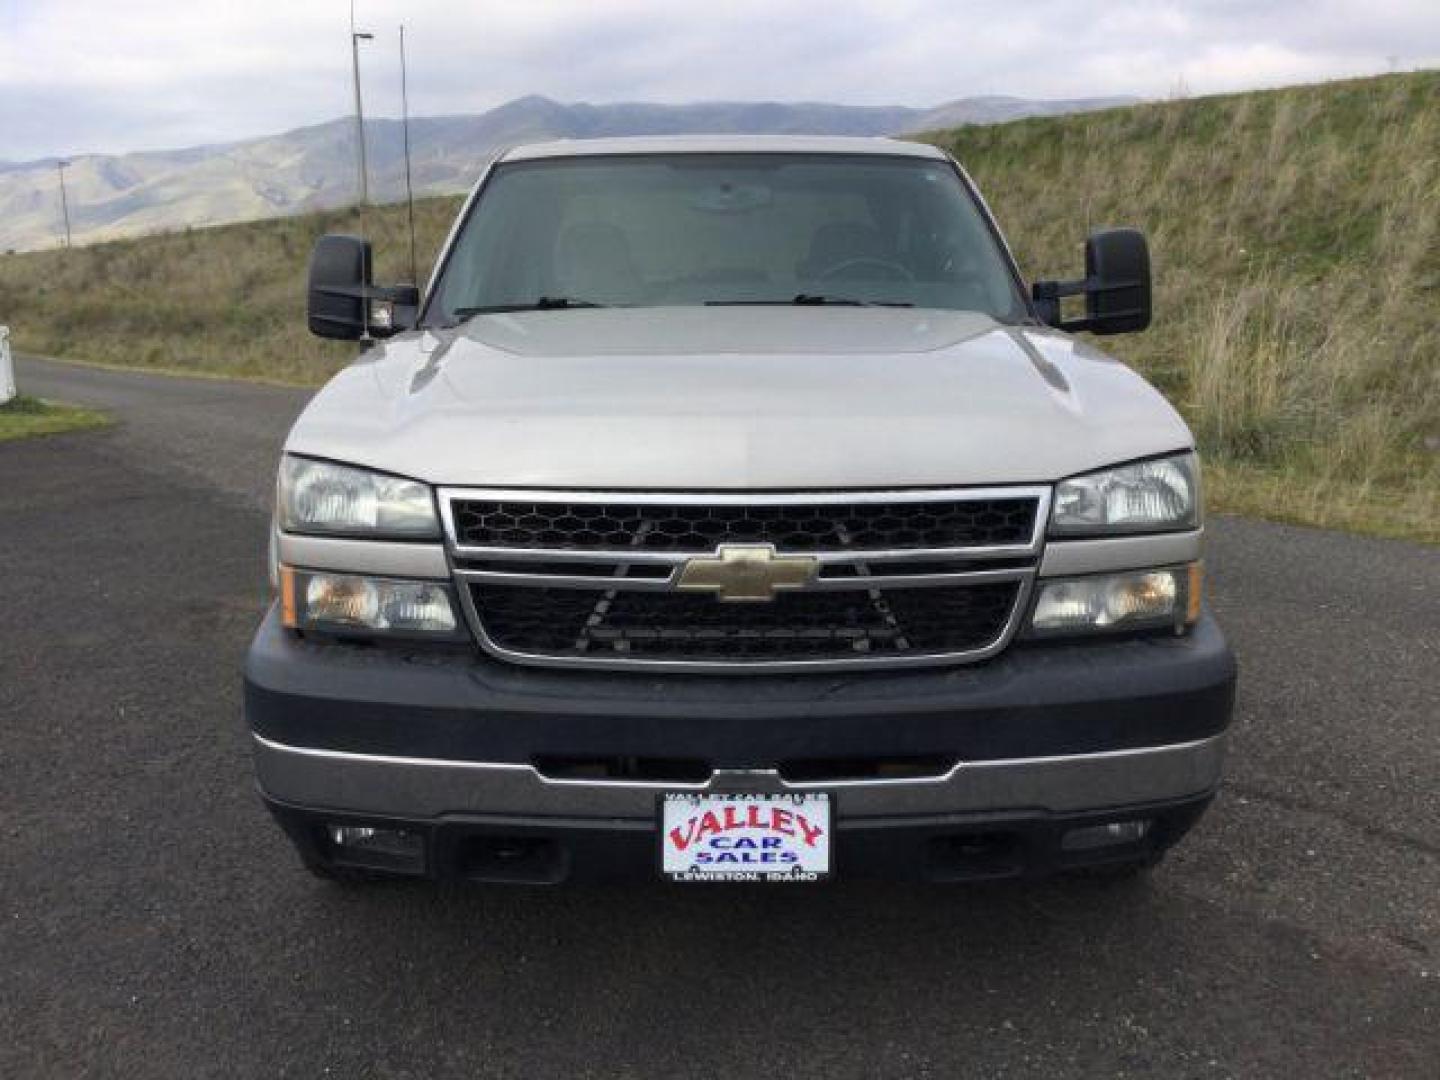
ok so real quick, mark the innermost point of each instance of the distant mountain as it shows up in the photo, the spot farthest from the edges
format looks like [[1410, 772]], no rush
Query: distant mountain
[[998, 109], [314, 167]]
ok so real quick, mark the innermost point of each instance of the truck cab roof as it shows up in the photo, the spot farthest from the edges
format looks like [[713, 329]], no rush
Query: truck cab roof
[[722, 144]]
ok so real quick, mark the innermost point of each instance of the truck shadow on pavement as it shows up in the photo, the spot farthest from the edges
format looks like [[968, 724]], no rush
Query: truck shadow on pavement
[[846, 979]]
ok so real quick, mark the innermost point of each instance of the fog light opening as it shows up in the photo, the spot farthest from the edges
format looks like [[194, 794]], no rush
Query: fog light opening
[[376, 848], [1114, 834], [521, 859]]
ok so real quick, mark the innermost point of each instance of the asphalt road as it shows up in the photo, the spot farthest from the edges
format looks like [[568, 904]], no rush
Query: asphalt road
[[154, 923]]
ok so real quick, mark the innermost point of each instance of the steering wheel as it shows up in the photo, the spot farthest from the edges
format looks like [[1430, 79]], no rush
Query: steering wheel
[[894, 269]]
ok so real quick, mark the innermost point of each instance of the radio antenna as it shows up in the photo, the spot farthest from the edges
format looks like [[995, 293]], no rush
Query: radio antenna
[[405, 127]]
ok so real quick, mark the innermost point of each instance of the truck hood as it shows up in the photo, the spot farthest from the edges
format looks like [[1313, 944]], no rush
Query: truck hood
[[736, 397]]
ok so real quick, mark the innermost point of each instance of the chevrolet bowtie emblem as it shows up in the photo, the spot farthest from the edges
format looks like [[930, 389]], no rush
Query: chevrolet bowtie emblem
[[747, 572]]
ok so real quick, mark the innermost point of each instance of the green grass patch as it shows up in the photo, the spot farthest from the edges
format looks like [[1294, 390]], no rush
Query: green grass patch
[[21, 417]]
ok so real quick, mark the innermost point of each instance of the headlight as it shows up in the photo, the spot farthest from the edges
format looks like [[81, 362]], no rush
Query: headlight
[[1133, 600], [347, 603], [1150, 496], [319, 497]]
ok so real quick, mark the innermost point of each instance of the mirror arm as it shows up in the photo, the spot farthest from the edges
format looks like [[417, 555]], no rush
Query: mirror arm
[[1047, 294], [409, 295], [397, 297], [396, 294]]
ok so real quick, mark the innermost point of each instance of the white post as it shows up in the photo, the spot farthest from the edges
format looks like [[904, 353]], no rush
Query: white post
[[7, 367]]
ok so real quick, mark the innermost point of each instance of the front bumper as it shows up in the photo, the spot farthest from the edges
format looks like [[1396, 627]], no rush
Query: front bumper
[[454, 749], [944, 848]]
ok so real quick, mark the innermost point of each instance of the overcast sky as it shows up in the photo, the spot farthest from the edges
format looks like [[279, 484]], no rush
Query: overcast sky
[[116, 75]]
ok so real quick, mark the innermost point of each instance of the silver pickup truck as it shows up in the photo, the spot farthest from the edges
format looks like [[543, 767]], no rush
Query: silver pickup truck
[[729, 510]]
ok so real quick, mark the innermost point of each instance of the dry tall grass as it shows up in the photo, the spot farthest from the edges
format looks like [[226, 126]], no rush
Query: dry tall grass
[[1295, 234]]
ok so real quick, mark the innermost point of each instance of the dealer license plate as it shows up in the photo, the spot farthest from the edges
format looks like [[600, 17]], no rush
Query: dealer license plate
[[743, 837]]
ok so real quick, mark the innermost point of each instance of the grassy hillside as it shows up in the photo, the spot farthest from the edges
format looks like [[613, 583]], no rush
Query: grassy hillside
[[221, 301], [1296, 245], [1295, 233]]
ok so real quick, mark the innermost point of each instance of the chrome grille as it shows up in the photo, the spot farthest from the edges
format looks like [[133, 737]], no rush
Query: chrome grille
[[590, 579], [855, 624], [659, 526]]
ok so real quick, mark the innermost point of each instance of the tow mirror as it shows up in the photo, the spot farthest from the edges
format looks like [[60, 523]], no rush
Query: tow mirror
[[342, 303], [1116, 286]]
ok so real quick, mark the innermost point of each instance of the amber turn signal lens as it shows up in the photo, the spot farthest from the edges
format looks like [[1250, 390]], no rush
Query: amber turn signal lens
[[1193, 593], [288, 613]]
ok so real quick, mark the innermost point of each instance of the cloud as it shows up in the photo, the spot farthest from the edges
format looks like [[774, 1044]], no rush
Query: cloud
[[91, 75]]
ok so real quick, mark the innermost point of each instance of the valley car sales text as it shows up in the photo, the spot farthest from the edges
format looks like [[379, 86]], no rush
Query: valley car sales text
[[746, 843]]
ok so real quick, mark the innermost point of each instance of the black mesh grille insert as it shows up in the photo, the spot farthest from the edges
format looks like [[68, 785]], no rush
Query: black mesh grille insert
[[790, 527], [841, 625]]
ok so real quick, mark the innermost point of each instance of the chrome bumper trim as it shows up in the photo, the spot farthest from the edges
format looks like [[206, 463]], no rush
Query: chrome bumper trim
[[430, 787]]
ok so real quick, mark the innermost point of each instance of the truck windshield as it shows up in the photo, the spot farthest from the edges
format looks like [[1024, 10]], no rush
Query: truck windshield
[[732, 229]]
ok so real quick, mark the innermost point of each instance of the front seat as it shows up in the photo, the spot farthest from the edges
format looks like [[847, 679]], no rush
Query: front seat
[[593, 261]]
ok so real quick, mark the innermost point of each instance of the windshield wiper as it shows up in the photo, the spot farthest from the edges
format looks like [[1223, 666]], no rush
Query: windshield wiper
[[820, 300], [543, 303], [810, 300]]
